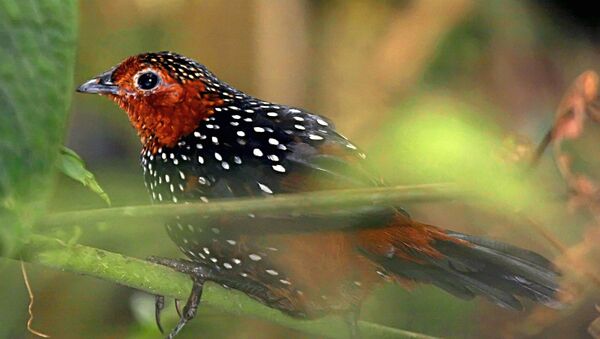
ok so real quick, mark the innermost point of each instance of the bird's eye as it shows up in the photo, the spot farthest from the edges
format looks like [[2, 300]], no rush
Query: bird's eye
[[147, 81]]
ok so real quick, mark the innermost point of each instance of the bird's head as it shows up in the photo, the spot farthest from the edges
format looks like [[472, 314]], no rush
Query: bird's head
[[165, 95]]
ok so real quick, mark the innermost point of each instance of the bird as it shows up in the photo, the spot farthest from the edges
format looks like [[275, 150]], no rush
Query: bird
[[202, 140]]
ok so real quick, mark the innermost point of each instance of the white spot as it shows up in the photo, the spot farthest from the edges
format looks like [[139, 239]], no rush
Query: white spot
[[225, 165], [273, 157], [265, 188], [249, 110], [236, 261], [200, 159], [254, 257], [257, 152], [349, 145], [272, 114], [285, 282], [214, 260], [236, 116], [315, 137], [241, 133], [259, 129], [182, 175], [273, 141], [190, 227], [206, 250], [237, 160], [278, 168], [218, 156], [227, 265], [215, 140], [243, 274], [231, 242], [272, 272], [215, 230], [297, 118], [197, 134], [299, 127], [357, 283], [167, 178], [322, 122]]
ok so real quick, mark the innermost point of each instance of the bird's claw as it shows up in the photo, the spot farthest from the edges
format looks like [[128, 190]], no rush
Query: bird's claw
[[198, 274], [159, 305]]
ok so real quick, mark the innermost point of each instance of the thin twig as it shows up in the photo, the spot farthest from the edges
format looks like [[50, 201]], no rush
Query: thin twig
[[290, 204], [30, 307], [539, 150]]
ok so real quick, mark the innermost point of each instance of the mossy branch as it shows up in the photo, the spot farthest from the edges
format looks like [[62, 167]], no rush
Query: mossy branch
[[156, 279]]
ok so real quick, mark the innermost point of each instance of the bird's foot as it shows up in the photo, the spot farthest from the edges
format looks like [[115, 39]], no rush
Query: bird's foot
[[199, 275]]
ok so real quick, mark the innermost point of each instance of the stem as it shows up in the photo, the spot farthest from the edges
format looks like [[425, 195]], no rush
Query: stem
[[156, 279], [284, 205]]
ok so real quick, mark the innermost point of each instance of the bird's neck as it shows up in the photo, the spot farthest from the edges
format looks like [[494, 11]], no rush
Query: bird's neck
[[164, 123]]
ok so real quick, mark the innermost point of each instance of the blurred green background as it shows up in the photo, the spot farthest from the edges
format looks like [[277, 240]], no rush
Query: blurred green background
[[432, 90]]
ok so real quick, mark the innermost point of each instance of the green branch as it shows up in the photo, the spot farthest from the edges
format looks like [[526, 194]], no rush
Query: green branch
[[285, 205], [156, 279]]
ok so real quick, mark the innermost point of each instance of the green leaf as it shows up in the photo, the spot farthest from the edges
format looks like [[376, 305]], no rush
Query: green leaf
[[73, 166], [37, 57]]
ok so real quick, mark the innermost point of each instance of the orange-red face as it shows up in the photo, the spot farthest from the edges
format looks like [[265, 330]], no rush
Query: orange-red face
[[164, 98]]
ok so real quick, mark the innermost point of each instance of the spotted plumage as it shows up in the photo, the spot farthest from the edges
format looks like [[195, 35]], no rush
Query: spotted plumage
[[203, 140]]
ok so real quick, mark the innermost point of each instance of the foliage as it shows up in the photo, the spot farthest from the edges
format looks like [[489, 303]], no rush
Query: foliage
[[73, 166], [38, 52]]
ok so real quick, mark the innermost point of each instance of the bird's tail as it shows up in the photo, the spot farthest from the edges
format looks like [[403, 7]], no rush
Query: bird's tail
[[463, 265]]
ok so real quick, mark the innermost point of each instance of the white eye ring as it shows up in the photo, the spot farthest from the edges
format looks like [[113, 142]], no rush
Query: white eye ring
[[147, 80]]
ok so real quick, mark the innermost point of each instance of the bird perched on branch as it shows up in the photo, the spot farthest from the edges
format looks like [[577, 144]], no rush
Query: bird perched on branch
[[203, 139]]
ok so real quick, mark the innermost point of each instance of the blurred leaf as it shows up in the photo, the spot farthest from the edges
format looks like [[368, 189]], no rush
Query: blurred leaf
[[38, 52], [441, 139], [73, 166]]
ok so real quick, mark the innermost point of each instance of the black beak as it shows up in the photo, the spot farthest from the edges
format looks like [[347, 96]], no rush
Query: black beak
[[102, 84]]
